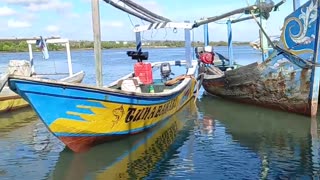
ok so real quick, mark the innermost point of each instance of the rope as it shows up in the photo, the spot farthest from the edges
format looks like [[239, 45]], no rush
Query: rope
[[4, 80], [200, 77]]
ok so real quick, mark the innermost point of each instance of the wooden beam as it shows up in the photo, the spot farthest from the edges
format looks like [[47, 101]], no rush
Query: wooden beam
[[237, 11], [243, 19], [216, 18], [97, 41]]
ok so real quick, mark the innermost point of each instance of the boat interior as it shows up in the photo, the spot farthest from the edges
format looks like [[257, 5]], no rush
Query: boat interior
[[146, 78]]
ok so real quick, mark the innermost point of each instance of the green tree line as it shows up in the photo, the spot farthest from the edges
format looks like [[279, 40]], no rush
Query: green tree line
[[22, 46]]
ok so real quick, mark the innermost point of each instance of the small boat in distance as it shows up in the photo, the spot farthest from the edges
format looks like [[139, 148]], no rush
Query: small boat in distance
[[288, 79], [82, 116], [9, 100]]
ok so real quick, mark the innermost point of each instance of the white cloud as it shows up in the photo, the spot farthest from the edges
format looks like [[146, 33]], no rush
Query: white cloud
[[113, 24], [6, 11], [52, 28], [18, 24], [25, 2], [39, 5], [73, 15], [52, 5]]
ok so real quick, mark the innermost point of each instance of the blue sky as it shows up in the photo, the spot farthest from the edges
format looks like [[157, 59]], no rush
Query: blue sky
[[72, 19]]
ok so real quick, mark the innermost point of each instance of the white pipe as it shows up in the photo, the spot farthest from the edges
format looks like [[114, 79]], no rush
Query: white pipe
[[69, 58], [31, 58]]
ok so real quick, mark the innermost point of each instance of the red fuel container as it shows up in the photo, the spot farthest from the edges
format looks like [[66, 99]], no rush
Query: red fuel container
[[144, 72]]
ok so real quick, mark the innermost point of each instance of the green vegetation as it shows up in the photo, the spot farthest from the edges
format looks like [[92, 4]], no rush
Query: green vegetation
[[22, 46]]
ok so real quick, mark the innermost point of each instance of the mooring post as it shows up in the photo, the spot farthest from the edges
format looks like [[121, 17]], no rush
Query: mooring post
[[97, 41], [230, 48], [138, 41], [315, 74], [263, 39], [296, 4], [187, 38], [206, 34]]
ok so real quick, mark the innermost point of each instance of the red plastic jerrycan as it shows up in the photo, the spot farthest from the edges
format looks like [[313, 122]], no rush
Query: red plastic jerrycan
[[144, 72]]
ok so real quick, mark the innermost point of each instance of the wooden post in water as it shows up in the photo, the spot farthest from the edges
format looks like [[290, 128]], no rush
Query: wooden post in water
[[97, 41], [206, 34], [230, 48], [263, 39], [296, 4]]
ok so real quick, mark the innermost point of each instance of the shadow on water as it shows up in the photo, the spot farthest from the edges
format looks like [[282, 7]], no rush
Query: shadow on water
[[287, 144], [131, 158]]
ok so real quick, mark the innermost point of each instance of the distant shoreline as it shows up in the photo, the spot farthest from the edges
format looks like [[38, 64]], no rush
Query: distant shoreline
[[14, 47]]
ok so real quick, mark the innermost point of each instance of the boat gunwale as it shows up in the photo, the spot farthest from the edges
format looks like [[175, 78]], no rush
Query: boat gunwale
[[174, 91]]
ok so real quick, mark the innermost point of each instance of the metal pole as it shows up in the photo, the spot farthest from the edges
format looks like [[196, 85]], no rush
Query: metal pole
[[263, 39], [206, 34], [31, 58], [69, 58], [138, 41], [97, 41], [230, 48], [187, 38], [296, 4]]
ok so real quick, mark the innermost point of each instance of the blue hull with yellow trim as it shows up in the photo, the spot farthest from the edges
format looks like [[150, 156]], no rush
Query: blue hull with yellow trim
[[82, 116]]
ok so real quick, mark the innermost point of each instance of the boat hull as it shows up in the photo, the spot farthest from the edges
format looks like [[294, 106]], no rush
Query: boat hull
[[285, 90], [10, 101], [82, 116], [289, 78]]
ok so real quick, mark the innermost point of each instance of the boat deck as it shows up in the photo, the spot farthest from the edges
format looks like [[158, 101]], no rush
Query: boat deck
[[158, 86]]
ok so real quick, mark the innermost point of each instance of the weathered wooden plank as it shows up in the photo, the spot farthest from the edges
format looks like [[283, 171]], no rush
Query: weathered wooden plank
[[97, 41]]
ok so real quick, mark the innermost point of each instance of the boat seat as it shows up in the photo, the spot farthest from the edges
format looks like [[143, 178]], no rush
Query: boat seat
[[130, 85]]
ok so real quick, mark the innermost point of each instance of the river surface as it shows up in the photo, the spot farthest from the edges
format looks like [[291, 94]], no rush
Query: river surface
[[208, 139]]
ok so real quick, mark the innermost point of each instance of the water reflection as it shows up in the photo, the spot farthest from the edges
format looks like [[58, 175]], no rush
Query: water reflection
[[27, 149], [12, 120], [287, 144], [131, 158]]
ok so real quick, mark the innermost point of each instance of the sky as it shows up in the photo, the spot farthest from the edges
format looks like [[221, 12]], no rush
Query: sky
[[72, 19]]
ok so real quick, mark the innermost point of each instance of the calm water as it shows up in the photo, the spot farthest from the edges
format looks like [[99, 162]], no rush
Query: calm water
[[209, 139]]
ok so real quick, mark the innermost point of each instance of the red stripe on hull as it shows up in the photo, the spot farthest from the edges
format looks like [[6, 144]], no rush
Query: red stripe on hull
[[84, 143]]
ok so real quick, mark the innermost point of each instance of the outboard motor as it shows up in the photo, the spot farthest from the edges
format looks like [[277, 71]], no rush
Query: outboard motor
[[205, 55], [165, 69]]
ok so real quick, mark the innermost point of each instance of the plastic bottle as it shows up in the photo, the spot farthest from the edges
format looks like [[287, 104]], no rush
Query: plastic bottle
[[151, 89]]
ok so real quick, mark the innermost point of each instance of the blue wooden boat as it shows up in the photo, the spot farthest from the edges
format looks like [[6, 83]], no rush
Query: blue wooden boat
[[82, 115], [288, 79]]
